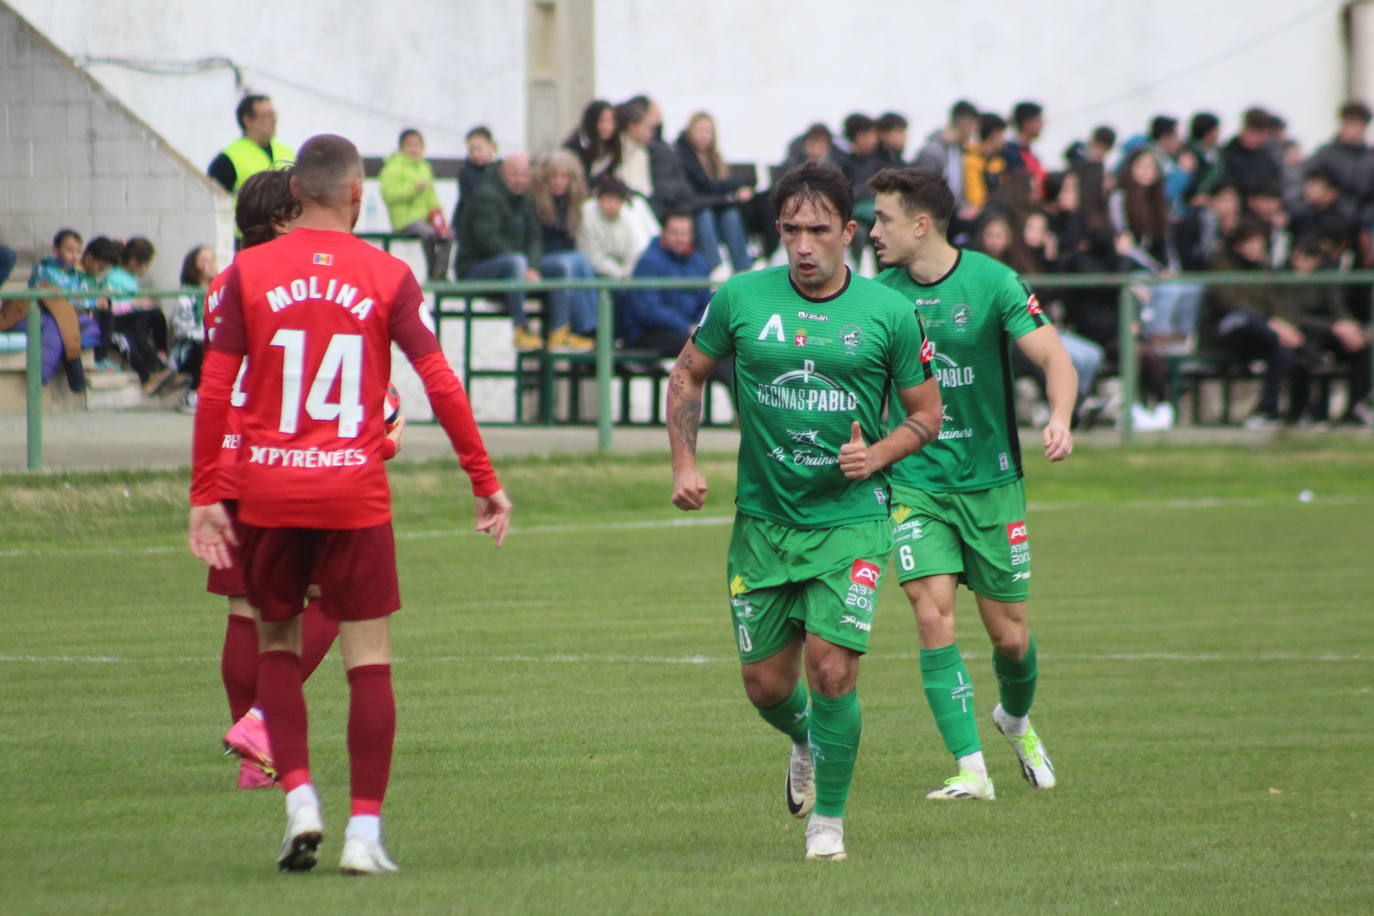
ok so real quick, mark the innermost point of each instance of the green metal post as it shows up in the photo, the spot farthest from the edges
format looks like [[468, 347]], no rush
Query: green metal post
[[1126, 363], [605, 323], [33, 377]]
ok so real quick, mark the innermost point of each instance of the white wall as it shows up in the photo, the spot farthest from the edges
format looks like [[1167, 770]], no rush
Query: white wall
[[365, 68], [768, 68]]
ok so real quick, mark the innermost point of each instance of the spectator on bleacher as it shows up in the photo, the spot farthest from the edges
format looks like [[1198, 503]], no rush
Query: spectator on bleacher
[[943, 152], [499, 239], [1265, 204], [985, 160], [1204, 142], [412, 204], [605, 236], [721, 194], [861, 162], [1246, 321], [198, 268], [8, 258], [257, 150], [66, 324], [1328, 330], [1248, 162], [815, 144], [479, 165], [1145, 233], [138, 324], [662, 320], [559, 191], [596, 140], [1349, 161], [100, 257], [1028, 122], [1089, 162], [892, 128], [1176, 164]]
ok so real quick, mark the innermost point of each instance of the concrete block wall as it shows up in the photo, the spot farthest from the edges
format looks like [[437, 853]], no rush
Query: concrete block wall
[[72, 156]]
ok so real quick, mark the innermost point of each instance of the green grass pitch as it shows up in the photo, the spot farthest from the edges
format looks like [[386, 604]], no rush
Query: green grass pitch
[[573, 736]]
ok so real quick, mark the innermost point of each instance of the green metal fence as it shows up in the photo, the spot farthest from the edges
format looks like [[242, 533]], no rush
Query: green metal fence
[[605, 354]]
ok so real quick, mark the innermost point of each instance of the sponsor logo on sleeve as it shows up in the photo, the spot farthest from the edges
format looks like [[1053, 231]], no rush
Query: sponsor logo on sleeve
[[927, 351], [1033, 305]]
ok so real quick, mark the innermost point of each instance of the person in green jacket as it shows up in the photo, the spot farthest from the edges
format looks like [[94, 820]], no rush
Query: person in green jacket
[[407, 182]]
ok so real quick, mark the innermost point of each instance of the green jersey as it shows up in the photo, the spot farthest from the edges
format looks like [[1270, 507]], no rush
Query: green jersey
[[971, 315], [804, 370]]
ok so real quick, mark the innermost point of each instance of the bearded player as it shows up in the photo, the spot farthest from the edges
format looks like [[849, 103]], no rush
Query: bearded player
[[959, 507], [816, 351], [315, 314]]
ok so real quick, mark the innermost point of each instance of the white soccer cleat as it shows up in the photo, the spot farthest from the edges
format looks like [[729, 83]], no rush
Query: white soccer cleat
[[967, 785], [362, 856], [801, 782], [304, 833], [824, 843], [1030, 750]]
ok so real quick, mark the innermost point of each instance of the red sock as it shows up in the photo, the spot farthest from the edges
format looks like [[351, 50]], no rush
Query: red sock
[[371, 731], [317, 635], [238, 664], [283, 706]]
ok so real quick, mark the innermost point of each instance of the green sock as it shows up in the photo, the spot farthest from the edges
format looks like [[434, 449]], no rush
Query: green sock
[[1016, 681], [835, 729], [949, 691], [792, 716]]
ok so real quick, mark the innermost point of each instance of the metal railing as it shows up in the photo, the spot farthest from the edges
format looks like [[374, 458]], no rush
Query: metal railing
[[605, 353]]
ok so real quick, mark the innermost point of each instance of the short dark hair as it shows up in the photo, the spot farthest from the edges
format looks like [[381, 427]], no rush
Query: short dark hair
[[1025, 111], [137, 250], [323, 164], [1247, 229], [681, 214], [1256, 119], [104, 249], [962, 109], [1325, 174], [1203, 123], [856, 124], [63, 235], [921, 190], [890, 120], [481, 130], [1355, 110], [607, 185], [1309, 246], [1162, 126], [409, 132], [264, 202], [245, 109], [989, 124], [814, 181], [818, 131], [1104, 136]]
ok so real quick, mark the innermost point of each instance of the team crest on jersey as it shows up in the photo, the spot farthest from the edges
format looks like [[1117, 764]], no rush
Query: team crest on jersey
[[323, 260], [800, 339], [851, 335], [960, 316]]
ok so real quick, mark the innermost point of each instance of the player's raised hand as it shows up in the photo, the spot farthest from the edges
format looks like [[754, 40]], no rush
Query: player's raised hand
[[493, 515], [689, 490], [1058, 442], [854, 455], [211, 534]]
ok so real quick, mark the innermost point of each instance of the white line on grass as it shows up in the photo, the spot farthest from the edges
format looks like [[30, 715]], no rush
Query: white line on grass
[[566, 658], [707, 521]]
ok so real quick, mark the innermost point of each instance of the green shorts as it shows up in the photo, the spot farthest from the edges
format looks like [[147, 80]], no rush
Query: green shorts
[[783, 580], [979, 536]]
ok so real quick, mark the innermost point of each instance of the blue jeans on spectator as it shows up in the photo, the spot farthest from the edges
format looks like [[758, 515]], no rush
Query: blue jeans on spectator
[[1086, 357], [714, 224], [575, 307], [1172, 310], [504, 267]]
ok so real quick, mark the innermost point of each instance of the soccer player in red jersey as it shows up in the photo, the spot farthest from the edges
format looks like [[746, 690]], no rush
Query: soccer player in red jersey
[[315, 313]]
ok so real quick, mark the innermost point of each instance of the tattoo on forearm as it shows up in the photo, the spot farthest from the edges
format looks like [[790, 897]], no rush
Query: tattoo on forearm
[[685, 421], [922, 431]]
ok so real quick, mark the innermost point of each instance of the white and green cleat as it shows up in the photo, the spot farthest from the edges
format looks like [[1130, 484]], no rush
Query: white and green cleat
[[966, 786], [801, 782], [825, 840], [1030, 750]]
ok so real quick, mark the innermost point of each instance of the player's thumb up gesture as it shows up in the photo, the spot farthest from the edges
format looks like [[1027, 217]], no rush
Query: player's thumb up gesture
[[854, 455]]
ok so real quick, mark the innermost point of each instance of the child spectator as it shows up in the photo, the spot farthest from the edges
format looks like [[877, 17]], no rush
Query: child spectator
[[605, 236], [67, 325], [407, 183], [138, 325], [559, 190], [720, 217], [198, 268], [477, 168]]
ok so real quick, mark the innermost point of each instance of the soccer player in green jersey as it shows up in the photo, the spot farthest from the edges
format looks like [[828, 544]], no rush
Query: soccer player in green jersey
[[959, 507], [816, 352]]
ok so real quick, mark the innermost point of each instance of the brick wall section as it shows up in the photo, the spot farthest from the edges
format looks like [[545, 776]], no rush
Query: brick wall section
[[72, 155]]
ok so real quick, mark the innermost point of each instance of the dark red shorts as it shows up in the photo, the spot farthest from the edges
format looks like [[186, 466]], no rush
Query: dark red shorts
[[356, 568], [229, 582]]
